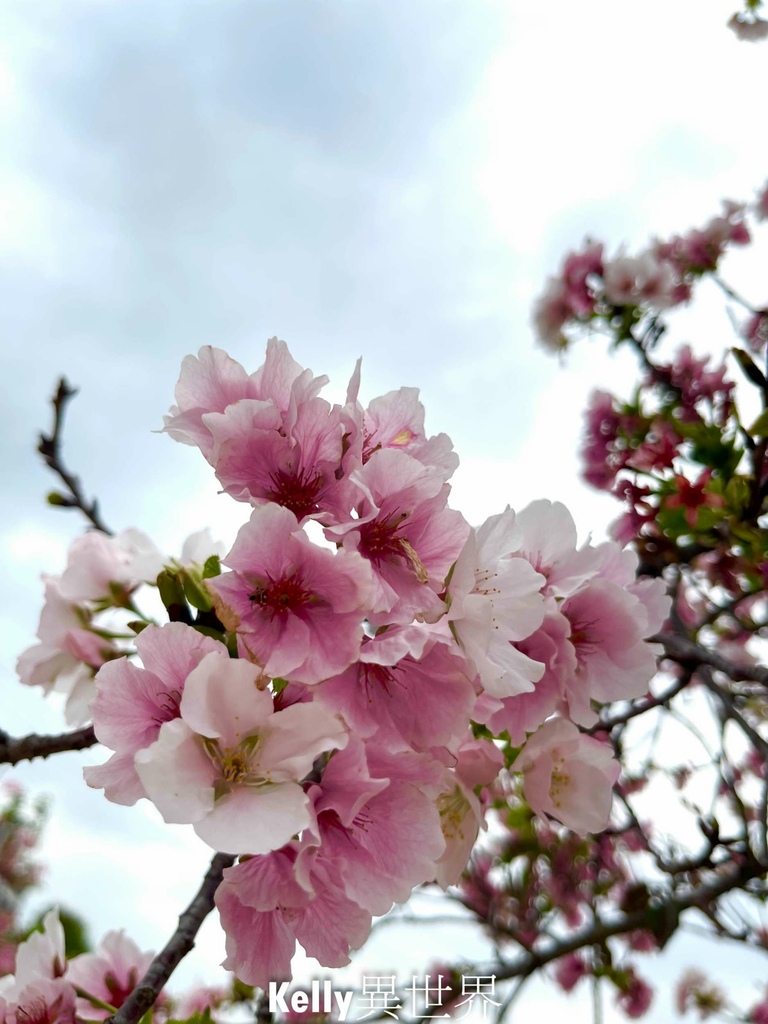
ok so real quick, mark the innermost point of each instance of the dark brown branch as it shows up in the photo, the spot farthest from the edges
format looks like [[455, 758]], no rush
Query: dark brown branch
[[50, 448], [730, 712], [177, 947], [686, 652], [663, 920], [640, 708], [26, 748]]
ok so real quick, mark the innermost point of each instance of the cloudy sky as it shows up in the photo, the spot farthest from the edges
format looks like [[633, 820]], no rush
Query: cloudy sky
[[385, 178]]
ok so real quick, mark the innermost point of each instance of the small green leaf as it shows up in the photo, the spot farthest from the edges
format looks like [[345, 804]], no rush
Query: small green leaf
[[212, 567], [214, 634], [748, 367], [760, 427], [737, 493], [54, 498], [137, 625]]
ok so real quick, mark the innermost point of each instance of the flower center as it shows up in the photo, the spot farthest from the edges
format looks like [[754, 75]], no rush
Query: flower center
[[297, 491], [278, 597], [234, 765]]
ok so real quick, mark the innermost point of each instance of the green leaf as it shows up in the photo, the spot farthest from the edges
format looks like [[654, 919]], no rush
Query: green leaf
[[212, 567], [214, 634], [137, 625], [737, 493], [195, 591], [760, 427], [54, 498], [196, 1018], [748, 367], [76, 939]]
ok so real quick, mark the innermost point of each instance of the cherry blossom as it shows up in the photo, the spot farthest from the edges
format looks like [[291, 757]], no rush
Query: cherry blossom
[[568, 776], [231, 764], [296, 607]]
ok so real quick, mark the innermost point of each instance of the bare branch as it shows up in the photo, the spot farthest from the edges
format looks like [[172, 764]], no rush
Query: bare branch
[[729, 711], [177, 947], [50, 448], [646, 704], [678, 648], [26, 748], [663, 920]]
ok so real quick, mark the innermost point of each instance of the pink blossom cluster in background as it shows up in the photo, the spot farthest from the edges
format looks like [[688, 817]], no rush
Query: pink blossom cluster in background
[[591, 289], [19, 870], [89, 987], [326, 708]]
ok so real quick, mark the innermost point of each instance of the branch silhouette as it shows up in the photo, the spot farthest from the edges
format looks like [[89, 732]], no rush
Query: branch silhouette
[[177, 947], [50, 447]]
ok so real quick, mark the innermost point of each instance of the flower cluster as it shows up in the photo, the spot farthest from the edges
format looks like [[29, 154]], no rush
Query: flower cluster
[[592, 290], [19, 871], [335, 707], [86, 617], [47, 987]]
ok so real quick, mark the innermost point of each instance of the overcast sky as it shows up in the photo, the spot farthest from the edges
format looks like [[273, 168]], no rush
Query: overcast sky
[[385, 178]]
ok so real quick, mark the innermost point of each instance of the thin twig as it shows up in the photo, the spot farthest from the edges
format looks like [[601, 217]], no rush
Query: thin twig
[[646, 704], [729, 711], [727, 290], [662, 919], [177, 947], [26, 748], [50, 448]]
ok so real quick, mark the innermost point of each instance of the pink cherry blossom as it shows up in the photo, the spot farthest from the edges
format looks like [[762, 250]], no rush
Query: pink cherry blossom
[[462, 812], [260, 457], [568, 776], [41, 1001], [761, 203], [97, 563], [39, 992], [569, 970], [551, 311], [231, 765], [639, 280], [548, 542], [408, 688], [636, 996], [378, 823], [578, 268], [296, 607], [523, 713], [132, 703], [110, 974], [608, 627], [42, 955], [403, 527], [266, 905], [268, 435], [68, 653], [396, 421], [212, 381], [494, 600], [752, 29]]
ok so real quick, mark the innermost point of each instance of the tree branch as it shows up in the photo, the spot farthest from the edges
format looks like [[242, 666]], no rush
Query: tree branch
[[177, 947], [640, 708], [678, 648], [662, 920], [50, 448], [26, 748]]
